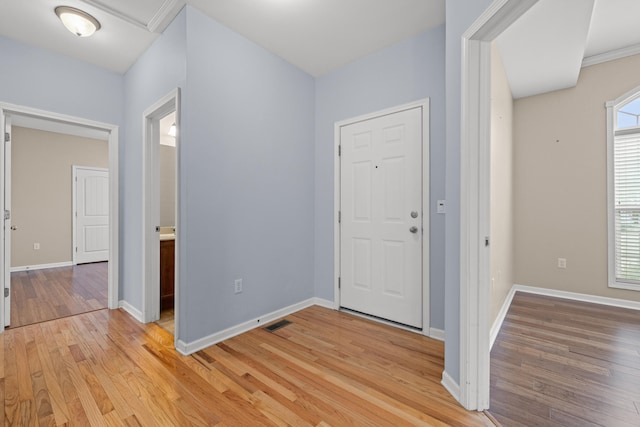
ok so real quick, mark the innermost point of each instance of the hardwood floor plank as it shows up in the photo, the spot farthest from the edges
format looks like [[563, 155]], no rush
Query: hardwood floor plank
[[47, 294], [326, 369], [557, 362]]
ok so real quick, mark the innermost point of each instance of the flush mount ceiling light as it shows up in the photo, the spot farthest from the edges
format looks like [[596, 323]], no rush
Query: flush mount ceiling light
[[77, 21], [172, 130]]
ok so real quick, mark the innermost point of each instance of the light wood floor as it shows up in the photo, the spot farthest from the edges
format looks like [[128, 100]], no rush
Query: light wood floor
[[564, 363], [167, 321], [326, 368], [52, 293]]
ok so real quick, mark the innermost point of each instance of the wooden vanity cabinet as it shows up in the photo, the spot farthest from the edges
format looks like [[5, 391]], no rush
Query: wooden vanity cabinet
[[167, 273]]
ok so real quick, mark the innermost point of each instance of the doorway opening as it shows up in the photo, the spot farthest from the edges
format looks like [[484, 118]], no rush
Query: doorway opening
[[40, 150], [161, 148]]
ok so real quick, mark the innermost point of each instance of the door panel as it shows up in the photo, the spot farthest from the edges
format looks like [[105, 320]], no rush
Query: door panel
[[381, 185], [92, 215]]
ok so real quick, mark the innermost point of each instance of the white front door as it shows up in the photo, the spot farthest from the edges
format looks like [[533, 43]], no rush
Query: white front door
[[8, 228], [91, 215], [381, 217]]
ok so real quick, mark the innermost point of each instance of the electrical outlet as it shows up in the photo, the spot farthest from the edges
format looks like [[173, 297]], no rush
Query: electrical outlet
[[36, 246], [237, 286], [562, 263]]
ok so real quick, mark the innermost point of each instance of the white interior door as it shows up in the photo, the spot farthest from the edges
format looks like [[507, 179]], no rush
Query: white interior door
[[381, 217], [8, 228], [91, 215]]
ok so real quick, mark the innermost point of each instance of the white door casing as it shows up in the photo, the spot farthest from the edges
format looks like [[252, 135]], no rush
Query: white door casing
[[7, 222], [61, 123], [151, 209], [475, 170], [91, 214], [382, 216]]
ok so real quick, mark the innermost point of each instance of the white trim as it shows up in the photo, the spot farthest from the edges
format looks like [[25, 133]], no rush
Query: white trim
[[475, 122], [321, 302], [5, 195], [134, 312], [426, 209], [436, 334], [204, 342], [41, 266], [165, 15], [594, 299], [450, 385], [612, 55], [611, 107], [497, 323], [7, 109]]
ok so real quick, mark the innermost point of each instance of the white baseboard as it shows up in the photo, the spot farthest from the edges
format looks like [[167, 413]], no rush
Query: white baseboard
[[325, 303], [497, 324], [614, 302], [137, 314], [452, 387], [436, 334], [197, 345], [41, 266]]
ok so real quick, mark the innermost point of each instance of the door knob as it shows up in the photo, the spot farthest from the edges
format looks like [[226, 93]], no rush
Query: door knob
[[13, 227], [413, 229], [414, 214]]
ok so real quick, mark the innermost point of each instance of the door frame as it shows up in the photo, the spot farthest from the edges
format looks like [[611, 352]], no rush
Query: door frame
[[74, 207], [151, 216], [424, 104], [111, 131], [475, 171], [6, 238]]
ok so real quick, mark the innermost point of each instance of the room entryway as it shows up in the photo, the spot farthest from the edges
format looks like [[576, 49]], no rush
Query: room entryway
[[383, 225], [37, 181]]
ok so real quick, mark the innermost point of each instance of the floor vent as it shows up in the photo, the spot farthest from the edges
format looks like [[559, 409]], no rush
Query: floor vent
[[275, 326]]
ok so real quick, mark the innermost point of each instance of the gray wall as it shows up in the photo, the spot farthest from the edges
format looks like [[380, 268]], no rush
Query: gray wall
[[39, 78], [249, 206], [405, 72]]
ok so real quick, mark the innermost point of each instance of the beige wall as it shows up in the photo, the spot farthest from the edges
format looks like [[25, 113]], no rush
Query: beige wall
[[502, 237], [41, 190], [561, 182], [167, 186]]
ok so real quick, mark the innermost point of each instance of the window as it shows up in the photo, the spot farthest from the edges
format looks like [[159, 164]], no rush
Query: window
[[623, 157]]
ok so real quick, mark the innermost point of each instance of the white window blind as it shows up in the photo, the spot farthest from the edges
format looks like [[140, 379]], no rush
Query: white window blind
[[626, 152]]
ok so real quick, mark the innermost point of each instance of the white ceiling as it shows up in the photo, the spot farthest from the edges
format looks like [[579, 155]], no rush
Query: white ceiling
[[315, 35], [545, 49], [319, 36], [128, 28]]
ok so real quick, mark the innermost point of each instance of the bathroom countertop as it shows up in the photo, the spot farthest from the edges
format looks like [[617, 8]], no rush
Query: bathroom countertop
[[167, 236]]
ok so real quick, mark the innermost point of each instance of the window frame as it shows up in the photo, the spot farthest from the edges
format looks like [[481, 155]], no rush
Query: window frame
[[612, 131]]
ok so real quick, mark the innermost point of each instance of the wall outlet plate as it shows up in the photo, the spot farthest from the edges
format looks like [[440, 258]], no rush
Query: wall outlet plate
[[237, 286]]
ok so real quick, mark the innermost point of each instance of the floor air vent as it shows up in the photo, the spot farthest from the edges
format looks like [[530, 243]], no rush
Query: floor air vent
[[275, 326]]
